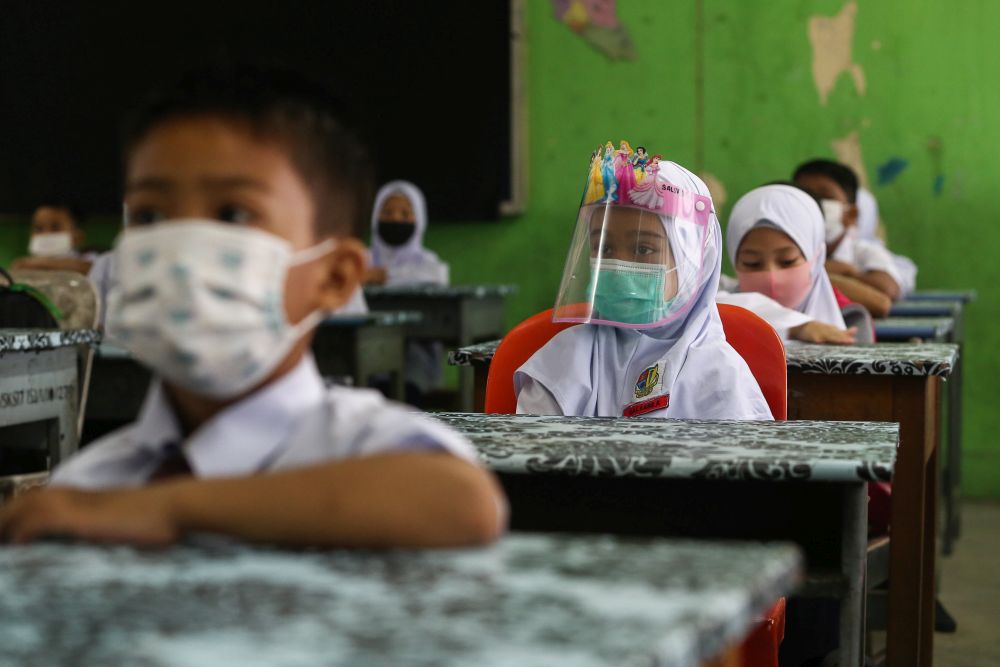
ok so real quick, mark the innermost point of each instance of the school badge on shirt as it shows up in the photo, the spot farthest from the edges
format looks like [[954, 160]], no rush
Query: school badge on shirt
[[648, 383]]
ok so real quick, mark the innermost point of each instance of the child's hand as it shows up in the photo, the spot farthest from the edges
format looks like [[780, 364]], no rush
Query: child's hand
[[134, 516], [821, 332]]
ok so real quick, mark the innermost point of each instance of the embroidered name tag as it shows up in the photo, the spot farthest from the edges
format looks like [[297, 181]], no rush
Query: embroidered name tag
[[642, 407]]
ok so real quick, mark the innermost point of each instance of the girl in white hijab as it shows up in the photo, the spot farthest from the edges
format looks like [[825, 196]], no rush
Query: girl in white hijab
[[641, 281], [776, 243], [399, 219]]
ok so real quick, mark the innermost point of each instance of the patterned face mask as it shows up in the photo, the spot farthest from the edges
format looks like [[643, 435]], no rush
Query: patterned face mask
[[201, 302]]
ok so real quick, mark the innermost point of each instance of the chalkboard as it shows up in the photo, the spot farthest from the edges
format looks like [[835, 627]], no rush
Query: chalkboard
[[430, 83]]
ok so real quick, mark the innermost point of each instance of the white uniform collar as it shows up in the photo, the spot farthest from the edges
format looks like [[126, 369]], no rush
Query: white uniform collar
[[242, 438]]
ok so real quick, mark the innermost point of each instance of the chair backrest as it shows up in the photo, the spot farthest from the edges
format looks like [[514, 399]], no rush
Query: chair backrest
[[516, 348], [753, 338], [761, 347]]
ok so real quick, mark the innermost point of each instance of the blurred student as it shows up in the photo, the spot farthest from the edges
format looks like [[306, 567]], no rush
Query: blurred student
[[641, 279], [243, 189], [870, 229], [398, 257], [862, 270], [57, 239]]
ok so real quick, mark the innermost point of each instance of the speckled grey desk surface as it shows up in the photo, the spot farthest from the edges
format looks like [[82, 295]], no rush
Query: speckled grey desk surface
[[34, 340], [445, 291], [541, 600], [877, 359], [670, 448]]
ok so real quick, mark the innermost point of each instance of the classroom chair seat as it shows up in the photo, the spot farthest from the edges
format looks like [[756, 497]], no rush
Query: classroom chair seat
[[752, 337]]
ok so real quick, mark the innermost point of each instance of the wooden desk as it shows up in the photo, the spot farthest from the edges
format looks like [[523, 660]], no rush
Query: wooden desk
[[951, 473], [528, 600], [364, 347], [457, 316], [477, 357], [900, 383], [39, 396], [797, 481]]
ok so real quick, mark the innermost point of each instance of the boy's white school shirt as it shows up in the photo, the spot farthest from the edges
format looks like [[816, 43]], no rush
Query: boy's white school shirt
[[295, 421], [866, 256]]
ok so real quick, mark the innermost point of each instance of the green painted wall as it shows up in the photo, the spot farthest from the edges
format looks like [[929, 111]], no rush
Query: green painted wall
[[929, 69]]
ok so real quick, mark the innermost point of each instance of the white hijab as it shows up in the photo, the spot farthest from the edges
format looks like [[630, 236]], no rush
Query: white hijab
[[410, 262], [592, 370], [792, 211]]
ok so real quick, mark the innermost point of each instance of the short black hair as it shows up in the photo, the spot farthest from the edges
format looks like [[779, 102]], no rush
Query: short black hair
[[74, 209], [278, 105], [843, 175]]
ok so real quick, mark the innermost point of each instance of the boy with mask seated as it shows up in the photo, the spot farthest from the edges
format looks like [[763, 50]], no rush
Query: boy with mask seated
[[57, 239], [864, 271], [243, 191]]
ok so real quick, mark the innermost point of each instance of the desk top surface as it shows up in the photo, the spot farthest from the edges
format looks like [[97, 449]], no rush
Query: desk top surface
[[926, 308], [528, 600], [382, 318], [965, 296], [878, 359], [685, 449], [34, 340], [921, 326], [439, 291]]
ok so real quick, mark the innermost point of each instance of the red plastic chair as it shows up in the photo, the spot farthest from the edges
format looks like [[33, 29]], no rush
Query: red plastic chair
[[761, 347], [754, 339]]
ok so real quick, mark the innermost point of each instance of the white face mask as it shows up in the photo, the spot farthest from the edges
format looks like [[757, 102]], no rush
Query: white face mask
[[55, 244], [201, 303], [833, 218]]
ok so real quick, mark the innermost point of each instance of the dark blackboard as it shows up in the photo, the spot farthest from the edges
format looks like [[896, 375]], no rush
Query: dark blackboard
[[429, 82]]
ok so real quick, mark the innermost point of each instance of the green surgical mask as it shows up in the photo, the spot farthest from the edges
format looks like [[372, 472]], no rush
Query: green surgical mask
[[629, 292]]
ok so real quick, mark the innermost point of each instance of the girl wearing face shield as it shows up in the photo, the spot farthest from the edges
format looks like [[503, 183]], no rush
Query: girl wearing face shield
[[640, 279]]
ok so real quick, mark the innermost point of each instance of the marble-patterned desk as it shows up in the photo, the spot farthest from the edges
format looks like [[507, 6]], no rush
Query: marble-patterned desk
[[456, 316], [544, 600], [964, 296], [901, 383], [903, 329], [798, 481], [366, 347], [39, 396]]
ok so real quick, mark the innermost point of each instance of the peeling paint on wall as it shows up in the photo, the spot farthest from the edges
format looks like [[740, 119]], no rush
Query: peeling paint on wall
[[848, 150], [831, 39], [890, 170]]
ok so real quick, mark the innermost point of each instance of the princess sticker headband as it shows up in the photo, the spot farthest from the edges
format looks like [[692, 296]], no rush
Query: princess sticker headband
[[623, 177]]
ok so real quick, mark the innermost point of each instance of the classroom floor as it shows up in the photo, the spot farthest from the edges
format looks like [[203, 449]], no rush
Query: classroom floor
[[970, 589]]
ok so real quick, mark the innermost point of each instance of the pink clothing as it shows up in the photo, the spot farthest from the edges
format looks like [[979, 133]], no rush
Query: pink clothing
[[624, 174], [646, 193]]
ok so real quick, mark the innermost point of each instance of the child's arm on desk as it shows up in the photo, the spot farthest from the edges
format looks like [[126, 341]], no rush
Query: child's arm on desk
[[53, 264], [386, 500]]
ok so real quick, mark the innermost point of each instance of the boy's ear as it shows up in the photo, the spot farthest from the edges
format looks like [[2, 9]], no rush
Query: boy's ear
[[851, 215], [345, 269]]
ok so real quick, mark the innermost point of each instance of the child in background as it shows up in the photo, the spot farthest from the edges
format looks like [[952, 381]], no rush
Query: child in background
[[57, 239], [243, 190], [862, 270], [775, 240], [641, 281], [399, 219]]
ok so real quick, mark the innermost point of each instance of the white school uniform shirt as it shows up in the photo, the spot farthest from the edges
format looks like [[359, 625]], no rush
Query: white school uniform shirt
[[293, 422], [868, 231]]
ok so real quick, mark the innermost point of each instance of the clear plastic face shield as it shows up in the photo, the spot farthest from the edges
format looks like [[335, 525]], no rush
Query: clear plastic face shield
[[637, 257]]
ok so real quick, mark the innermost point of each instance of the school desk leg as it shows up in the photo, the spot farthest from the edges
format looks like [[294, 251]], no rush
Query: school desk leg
[[854, 561], [479, 376], [912, 546]]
